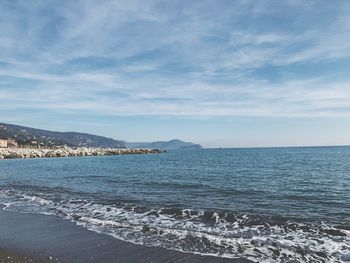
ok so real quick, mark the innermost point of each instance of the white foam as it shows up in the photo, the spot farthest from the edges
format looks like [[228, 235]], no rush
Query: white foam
[[190, 233]]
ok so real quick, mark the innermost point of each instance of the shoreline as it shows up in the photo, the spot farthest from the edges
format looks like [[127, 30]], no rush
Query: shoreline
[[42, 238], [28, 153]]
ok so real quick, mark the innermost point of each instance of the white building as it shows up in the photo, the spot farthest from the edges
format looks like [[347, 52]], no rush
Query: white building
[[3, 143]]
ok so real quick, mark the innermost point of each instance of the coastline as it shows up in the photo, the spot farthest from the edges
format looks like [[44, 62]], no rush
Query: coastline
[[14, 153], [41, 238]]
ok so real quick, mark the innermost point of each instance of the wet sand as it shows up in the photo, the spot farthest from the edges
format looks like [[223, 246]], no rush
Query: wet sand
[[40, 238], [14, 257]]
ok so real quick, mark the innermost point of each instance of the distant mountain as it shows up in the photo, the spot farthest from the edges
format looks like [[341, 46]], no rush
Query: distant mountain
[[31, 136], [173, 144], [26, 136]]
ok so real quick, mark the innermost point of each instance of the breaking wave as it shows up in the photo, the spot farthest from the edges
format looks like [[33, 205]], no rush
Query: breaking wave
[[219, 233]]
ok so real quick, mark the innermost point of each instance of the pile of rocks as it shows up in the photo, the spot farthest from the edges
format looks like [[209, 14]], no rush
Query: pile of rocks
[[10, 153]]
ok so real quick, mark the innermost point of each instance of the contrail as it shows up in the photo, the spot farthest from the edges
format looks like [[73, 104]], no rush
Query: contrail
[[244, 55]]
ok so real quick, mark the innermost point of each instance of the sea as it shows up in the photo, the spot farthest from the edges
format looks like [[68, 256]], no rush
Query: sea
[[262, 204]]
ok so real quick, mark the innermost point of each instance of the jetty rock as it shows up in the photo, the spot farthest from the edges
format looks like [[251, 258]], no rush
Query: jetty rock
[[12, 153]]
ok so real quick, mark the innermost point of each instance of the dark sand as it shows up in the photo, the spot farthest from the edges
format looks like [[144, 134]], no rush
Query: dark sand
[[40, 238], [15, 257]]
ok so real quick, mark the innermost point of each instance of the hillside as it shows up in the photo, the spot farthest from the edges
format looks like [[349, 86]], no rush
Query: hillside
[[26, 136], [172, 144]]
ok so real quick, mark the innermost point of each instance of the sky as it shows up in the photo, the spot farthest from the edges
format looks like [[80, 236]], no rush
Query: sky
[[243, 73]]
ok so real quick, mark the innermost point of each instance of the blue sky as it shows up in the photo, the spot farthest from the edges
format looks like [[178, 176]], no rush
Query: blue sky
[[220, 73]]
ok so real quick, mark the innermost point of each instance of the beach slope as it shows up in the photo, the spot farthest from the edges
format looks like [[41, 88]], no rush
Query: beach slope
[[52, 239]]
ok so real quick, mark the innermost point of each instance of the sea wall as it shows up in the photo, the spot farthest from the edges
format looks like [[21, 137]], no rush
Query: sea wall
[[11, 153]]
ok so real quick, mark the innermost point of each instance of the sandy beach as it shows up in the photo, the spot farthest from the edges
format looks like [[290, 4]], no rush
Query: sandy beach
[[14, 256], [40, 238]]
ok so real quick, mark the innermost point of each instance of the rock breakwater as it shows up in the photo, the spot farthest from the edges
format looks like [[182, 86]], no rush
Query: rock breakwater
[[12, 153]]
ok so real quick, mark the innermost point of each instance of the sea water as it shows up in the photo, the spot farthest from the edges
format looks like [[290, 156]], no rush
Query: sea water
[[264, 204]]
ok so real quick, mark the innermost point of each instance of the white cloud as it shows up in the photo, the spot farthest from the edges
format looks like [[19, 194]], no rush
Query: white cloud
[[174, 61]]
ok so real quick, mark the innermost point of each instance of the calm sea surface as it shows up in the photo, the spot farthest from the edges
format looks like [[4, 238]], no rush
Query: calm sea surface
[[267, 204]]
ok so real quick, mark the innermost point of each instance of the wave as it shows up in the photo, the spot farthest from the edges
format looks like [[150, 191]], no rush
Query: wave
[[223, 234]]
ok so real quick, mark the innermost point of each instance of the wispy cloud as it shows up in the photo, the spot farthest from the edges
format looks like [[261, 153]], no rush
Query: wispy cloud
[[177, 59]]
